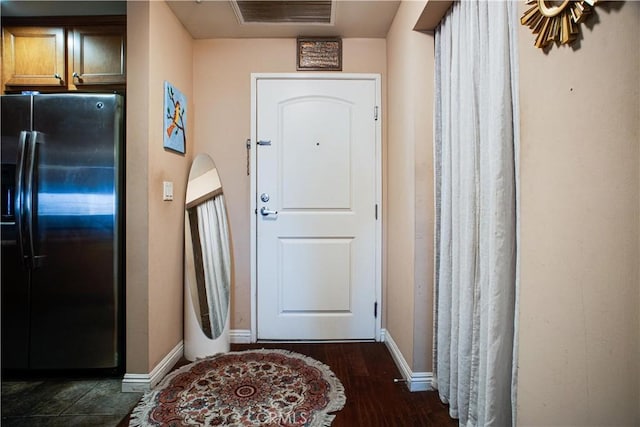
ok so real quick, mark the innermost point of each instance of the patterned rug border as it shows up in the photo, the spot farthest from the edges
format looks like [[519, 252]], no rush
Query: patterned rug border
[[322, 418]]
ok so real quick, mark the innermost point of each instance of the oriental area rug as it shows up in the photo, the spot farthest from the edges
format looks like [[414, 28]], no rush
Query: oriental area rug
[[244, 388]]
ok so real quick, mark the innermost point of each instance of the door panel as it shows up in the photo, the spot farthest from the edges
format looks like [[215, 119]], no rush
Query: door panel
[[99, 55], [34, 56], [330, 289], [316, 257], [16, 117], [316, 156], [75, 289]]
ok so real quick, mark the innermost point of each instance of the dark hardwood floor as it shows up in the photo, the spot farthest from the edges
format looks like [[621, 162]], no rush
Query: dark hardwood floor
[[367, 371]]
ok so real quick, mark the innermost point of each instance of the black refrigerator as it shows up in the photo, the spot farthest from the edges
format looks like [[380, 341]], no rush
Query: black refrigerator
[[62, 212]]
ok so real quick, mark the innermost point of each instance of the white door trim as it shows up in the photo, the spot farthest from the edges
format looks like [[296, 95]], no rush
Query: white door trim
[[253, 176]]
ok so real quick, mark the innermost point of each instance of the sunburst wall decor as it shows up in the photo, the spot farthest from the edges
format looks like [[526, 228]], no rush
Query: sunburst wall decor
[[556, 21]]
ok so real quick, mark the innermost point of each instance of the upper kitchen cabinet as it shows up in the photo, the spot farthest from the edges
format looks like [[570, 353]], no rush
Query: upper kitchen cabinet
[[99, 55], [58, 54], [34, 56]]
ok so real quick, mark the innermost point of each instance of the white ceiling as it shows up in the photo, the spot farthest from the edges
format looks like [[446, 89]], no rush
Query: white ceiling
[[353, 18], [216, 18]]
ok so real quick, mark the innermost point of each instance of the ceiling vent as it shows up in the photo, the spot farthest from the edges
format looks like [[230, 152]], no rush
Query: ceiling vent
[[284, 12]]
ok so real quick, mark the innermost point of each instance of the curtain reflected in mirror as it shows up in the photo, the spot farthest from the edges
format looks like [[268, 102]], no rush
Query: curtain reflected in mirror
[[210, 237], [207, 248]]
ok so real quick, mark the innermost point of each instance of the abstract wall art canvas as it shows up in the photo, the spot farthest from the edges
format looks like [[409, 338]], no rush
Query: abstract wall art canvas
[[175, 119]]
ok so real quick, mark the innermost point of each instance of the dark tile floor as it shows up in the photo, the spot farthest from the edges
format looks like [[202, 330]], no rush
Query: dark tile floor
[[54, 402]]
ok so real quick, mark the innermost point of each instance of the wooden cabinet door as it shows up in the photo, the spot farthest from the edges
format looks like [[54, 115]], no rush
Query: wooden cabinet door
[[33, 56], [99, 54]]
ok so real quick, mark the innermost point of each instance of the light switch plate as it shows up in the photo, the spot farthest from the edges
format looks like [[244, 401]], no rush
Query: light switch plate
[[167, 190]]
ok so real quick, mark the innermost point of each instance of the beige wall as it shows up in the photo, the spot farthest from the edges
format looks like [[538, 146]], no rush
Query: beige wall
[[159, 49], [222, 105], [580, 187], [409, 219], [137, 229], [579, 360]]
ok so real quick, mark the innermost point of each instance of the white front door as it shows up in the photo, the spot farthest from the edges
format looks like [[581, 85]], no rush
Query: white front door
[[316, 203]]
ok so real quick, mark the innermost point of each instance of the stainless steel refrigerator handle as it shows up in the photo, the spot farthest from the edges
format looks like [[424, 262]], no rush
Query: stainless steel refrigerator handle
[[19, 196], [35, 260]]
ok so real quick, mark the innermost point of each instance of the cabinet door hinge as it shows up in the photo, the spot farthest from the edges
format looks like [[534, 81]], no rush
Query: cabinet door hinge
[[376, 211], [375, 309], [375, 113]]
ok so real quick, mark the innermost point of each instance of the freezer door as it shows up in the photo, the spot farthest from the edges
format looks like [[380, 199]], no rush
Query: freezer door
[[76, 285], [16, 117]]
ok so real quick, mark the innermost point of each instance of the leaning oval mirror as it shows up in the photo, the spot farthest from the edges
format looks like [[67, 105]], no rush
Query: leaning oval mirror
[[207, 262]]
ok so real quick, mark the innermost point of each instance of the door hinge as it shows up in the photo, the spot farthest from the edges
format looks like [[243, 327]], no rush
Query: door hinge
[[375, 309], [375, 113], [376, 211], [248, 145]]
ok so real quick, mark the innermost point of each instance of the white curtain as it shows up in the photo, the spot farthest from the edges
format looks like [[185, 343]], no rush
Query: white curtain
[[214, 242], [476, 140]]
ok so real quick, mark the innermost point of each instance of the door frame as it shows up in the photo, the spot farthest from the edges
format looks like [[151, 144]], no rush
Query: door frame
[[251, 145]]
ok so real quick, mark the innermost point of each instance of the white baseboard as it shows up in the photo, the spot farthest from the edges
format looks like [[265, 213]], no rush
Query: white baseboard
[[136, 383], [416, 381], [240, 336]]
